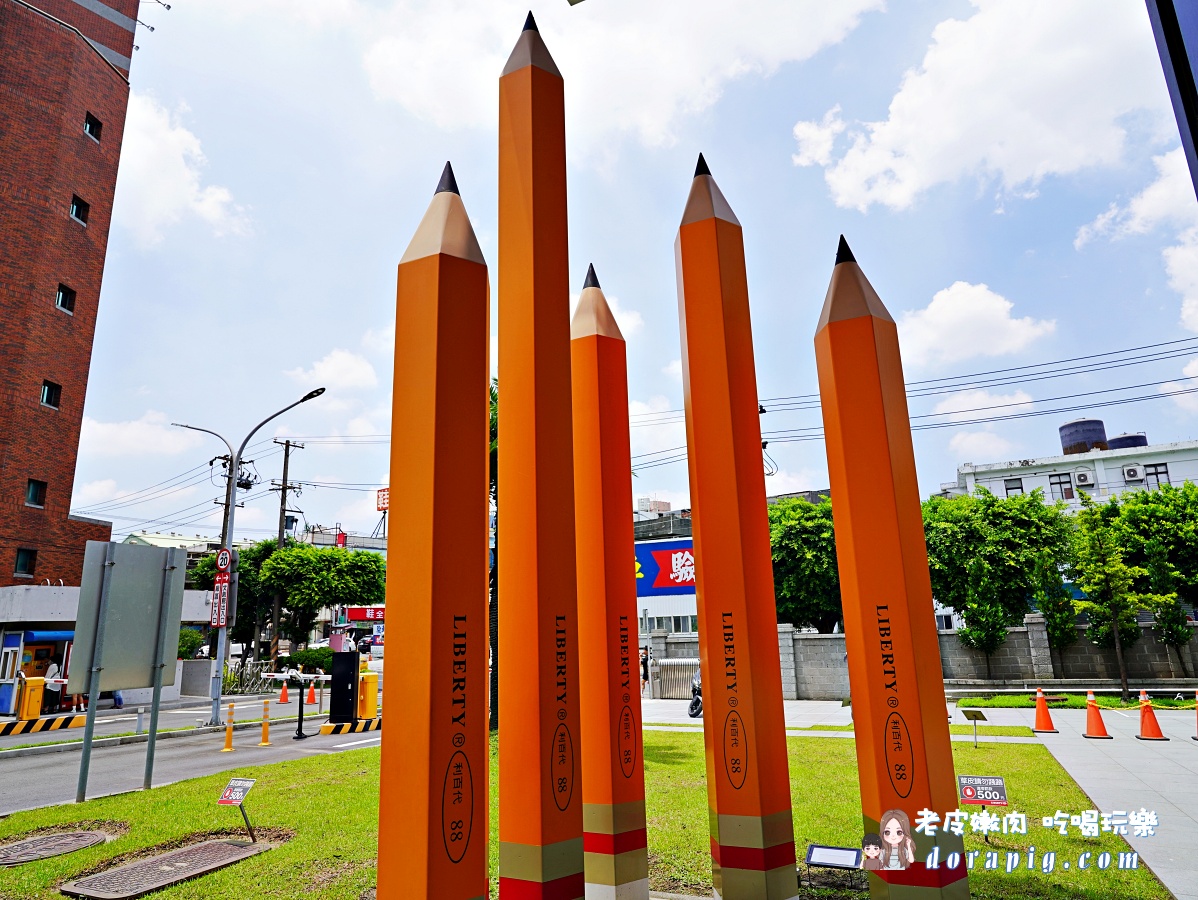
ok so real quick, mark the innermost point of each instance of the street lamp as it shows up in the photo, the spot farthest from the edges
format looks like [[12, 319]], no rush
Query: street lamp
[[230, 509]]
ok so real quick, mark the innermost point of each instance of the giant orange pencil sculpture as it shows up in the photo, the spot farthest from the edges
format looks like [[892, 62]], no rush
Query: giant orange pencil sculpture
[[540, 802], [748, 785], [904, 758], [433, 797], [613, 776]]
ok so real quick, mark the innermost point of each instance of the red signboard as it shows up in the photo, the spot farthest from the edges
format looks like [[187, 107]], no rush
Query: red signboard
[[220, 600], [384, 499], [675, 567], [365, 613]]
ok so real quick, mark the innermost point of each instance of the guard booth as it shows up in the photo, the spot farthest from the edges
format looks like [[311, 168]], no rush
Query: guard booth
[[10, 659], [343, 687]]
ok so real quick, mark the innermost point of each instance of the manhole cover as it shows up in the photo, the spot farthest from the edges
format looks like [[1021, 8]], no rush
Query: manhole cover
[[148, 875], [48, 845]]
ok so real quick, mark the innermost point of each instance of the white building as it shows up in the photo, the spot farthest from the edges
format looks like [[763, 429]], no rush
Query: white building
[[1097, 467]]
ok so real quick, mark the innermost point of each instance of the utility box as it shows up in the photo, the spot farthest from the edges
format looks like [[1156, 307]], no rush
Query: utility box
[[368, 695], [343, 688], [29, 703]]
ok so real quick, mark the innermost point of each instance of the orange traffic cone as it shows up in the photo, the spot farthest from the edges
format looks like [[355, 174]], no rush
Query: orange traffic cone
[[1094, 727], [1150, 730], [311, 692], [1043, 719], [283, 698]]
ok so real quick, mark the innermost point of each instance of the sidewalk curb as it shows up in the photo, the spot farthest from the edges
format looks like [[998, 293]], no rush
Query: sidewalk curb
[[72, 746]]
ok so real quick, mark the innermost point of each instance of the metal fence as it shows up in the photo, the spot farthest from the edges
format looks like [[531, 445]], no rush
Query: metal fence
[[247, 677], [674, 678]]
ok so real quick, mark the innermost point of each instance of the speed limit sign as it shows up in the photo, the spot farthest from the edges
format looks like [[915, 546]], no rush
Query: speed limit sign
[[223, 560], [983, 790]]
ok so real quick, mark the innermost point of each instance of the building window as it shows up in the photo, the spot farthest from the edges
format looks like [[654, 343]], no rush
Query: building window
[[35, 493], [1061, 486], [1014, 486], [65, 299], [945, 622], [92, 127], [51, 394], [1156, 474], [79, 209], [26, 562]]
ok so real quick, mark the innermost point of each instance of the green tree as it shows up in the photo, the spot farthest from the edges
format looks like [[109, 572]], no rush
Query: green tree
[[1055, 602], [806, 579], [254, 603], [312, 578], [1164, 523], [985, 618], [190, 641], [1108, 583], [1172, 630]]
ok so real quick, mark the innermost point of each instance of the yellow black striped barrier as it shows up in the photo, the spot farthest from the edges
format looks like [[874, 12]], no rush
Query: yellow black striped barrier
[[352, 727], [33, 726]]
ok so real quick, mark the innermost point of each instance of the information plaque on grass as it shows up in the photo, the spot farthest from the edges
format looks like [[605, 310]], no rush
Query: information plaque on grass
[[144, 876], [47, 845], [235, 791]]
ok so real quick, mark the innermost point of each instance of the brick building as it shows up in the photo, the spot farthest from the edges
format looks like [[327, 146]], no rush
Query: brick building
[[64, 92]]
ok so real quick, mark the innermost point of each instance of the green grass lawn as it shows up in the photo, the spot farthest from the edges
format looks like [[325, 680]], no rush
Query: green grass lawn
[[1071, 701], [991, 730], [329, 804]]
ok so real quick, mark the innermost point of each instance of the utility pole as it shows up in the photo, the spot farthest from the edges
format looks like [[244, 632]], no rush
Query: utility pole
[[224, 521], [277, 610]]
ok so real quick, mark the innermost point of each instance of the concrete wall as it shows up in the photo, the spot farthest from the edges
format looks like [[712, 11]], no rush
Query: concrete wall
[[815, 667]]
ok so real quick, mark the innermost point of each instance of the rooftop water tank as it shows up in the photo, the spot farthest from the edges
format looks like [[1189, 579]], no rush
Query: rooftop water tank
[[1123, 441], [1082, 435]]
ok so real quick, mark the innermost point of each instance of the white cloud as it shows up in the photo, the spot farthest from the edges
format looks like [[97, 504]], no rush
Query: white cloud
[[965, 321], [1181, 265], [1168, 200], [979, 446], [656, 427], [631, 68], [159, 183], [94, 492], [787, 482], [980, 404], [629, 320], [816, 139], [1187, 402], [380, 340], [341, 369], [673, 368], [151, 435], [1019, 91]]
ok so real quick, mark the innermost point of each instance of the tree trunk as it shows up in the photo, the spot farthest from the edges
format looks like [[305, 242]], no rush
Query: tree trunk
[[1119, 658], [988, 677]]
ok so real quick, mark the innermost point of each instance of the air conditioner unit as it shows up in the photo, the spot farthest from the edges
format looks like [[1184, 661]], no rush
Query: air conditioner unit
[[1133, 473], [1083, 479]]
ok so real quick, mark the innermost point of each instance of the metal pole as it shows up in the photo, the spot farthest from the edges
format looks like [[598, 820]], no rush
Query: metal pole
[[93, 689], [299, 725], [248, 826], [173, 561], [277, 609]]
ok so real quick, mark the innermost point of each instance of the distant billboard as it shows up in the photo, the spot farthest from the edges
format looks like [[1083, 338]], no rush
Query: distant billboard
[[665, 568]]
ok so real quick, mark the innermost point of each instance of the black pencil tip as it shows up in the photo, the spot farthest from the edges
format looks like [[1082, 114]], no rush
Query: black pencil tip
[[701, 167], [843, 253], [448, 183], [592, 279], [530, 24]]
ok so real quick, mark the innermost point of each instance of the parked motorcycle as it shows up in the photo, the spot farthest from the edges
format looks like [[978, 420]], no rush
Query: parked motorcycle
[[695, 710]]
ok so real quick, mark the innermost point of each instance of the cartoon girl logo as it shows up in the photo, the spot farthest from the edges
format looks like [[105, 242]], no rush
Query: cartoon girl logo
[[871, 852], [898, 850]]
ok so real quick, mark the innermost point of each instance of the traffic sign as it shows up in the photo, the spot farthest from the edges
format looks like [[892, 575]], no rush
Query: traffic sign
[[235, 791], [220, 600], [983, 790], [224, 559], [384, 499]]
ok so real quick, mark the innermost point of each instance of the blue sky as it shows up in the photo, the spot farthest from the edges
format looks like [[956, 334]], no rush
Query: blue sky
[[1006, 172]]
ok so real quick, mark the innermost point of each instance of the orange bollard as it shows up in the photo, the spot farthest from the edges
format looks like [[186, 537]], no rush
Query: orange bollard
[[283, 698], [311, 692], [1095, 729], [540, 805], [1043, 717], [265, 742], [904, 754], [228, 748], [1150, 729], [748, 785], [433, 788], [613, 776]]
